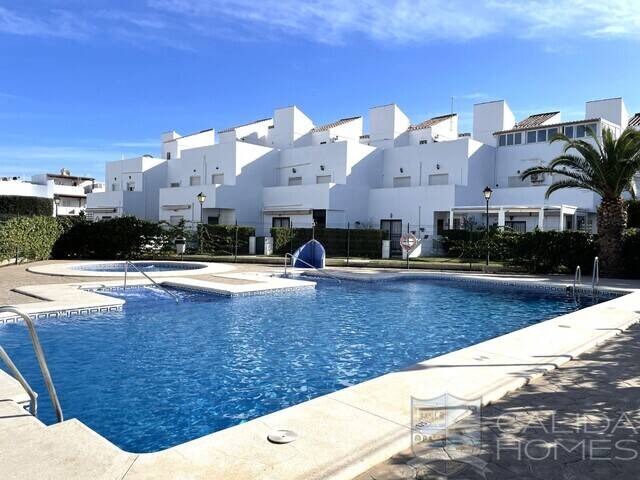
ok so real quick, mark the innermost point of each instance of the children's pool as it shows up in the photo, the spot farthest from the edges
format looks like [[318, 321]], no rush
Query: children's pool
[[159, 373]]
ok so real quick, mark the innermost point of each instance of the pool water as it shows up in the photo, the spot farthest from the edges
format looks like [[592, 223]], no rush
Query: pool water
[[159, 373], [150, 266]]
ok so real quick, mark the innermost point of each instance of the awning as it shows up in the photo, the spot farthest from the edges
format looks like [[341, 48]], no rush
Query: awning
[[176, 207], [101, 210], [289, 211]]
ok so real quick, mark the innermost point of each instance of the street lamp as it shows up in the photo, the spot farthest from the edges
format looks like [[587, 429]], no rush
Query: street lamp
[[56, 201], [201, 198], [487, 196]]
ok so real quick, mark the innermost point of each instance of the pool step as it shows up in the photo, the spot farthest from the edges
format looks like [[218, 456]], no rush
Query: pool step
[[67, 450]]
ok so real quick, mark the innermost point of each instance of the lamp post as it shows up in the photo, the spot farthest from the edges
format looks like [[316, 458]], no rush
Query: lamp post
[[201, 198], [56, 202], [487, 196]]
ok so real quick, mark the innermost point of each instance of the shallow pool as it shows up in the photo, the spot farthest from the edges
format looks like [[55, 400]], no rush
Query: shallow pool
[[160, 373], [149, 266]]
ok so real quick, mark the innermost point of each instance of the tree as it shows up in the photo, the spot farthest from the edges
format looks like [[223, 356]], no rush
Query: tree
[[605, 167]]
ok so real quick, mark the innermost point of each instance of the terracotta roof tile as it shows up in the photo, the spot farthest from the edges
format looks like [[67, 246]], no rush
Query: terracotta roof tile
[[432, 121], [337, 123], [635, 120], [535, 120], [230, 129]]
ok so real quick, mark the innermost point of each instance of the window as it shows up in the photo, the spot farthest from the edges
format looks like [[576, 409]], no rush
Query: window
[[280, 222], [542, 135], [531, 136], [323, 179], [131, 186], [194, 180], [551, 133], [593, 128], [217, 179], [175, 219], [174, 184], [510, 139], [213, 220], [517, 138], [568, 131], [323, 143], [424, 142], [114, 187], [295, 181], [502, 140], [580, 131], [439, 179], [399, 182], [168, 155]]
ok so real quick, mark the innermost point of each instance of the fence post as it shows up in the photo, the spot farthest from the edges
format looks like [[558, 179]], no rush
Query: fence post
[[235, 250], [407, 251], [348, 241]]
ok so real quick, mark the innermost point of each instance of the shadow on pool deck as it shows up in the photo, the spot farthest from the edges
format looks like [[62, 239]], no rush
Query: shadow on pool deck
[[579, 422]]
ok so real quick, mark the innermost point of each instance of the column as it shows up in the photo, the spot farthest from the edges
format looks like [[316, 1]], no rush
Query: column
[[451, 220], [561, 225], [541, 219], [501, 215]]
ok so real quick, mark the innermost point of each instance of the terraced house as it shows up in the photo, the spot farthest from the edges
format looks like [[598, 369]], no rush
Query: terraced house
[[400, 176]]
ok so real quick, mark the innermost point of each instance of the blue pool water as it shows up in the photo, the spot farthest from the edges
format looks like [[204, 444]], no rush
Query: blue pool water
[[161, 373], [151, 266]]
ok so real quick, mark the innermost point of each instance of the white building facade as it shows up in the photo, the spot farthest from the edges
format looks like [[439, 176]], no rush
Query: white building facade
[[67, 192], [422, 178]]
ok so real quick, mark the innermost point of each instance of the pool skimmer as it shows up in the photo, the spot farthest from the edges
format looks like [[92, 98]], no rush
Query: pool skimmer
[[281, 436]]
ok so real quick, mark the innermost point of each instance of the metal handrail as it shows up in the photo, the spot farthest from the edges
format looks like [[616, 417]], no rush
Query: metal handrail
[[164, 289], [287, 255], [595, 279], [33, 396], [577, 280], [40, 356]]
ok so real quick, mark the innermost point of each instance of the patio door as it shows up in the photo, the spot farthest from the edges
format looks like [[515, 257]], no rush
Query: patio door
[[394, 227]]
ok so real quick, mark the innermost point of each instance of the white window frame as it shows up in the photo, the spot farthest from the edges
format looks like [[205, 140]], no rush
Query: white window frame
[[217, 179]]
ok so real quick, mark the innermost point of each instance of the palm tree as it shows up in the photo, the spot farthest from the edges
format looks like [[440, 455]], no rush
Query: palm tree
[[605, 167]]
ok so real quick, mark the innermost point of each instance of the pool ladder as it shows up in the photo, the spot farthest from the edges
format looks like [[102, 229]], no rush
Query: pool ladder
[[164, 289], [595, 282], [33, 396]]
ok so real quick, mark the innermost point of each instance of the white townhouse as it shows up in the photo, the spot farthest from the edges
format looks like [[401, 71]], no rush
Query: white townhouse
[[131, 188], [67, 192], [521, 205], [401, 176]]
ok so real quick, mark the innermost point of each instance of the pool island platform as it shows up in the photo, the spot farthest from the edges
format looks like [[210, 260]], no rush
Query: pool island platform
[[341, 434]]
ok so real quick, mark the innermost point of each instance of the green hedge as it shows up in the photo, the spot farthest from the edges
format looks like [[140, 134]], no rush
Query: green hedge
[[362, 242], [221, 239], [633, 213], [11, 205], [32, 238], [536, 251]]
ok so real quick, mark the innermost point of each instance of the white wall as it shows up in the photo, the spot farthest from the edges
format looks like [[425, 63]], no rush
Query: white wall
[[491, 117], [612, 109]]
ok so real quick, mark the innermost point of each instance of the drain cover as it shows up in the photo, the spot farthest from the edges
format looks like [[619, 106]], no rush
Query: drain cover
[[282, 436]]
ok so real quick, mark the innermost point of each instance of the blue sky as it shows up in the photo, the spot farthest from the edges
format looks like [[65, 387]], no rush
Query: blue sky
[[86, 81]]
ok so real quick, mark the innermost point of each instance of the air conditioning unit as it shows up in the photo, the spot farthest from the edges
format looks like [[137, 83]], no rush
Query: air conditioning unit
[[537, 178]]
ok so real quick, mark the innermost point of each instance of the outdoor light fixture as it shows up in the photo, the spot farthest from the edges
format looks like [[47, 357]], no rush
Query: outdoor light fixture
[[293, 170], [401, 170], [201, 198], [322, 167], [487, 196], [437, 166]]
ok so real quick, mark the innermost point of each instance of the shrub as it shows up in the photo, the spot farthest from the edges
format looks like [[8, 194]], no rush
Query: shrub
[[536, 251], [116, 238], [361, 242], [631, 251], [12, 205], [31, 237], [221, 239]]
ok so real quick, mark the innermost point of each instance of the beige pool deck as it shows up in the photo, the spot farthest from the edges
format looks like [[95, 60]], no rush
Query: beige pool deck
[[342, 435]]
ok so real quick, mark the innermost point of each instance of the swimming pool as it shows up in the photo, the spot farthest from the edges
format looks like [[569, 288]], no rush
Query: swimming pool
[[159, 373], [145, 266]]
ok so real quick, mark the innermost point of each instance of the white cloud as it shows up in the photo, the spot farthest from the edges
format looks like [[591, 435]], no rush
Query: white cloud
[[393, 22], [55, 23]]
